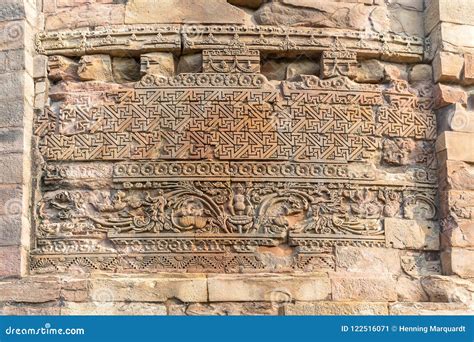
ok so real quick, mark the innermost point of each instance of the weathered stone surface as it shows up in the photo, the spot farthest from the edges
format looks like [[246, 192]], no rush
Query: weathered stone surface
[[113, 309], [370, 260], [10, 226], [10, 10], [363, 288], [406, 21], [446, 95], [85, 16], [13, 111], [322, 14], [11, 140], [448, 289], [412, 234], [335, 308], [125, 70], [192, 288], [447, 67], [95, 68], [190, 63], [48, 309], [431, 309], [452, 11], [303, 66], [458, 145], [61, 68], [232, 309], [158, 64], [421, 73], [11, 265], [410, 290], [74, 290], [247, 3], [461, 234], [468, 71], [180, 12], [11, 166], [31, 290], [458, 261], [274, 288]]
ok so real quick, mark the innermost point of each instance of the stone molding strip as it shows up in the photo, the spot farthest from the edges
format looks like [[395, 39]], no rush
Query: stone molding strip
[[147, 38]]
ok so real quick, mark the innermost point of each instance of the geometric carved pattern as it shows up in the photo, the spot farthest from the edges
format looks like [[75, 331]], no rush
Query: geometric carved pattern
[[201, 171]]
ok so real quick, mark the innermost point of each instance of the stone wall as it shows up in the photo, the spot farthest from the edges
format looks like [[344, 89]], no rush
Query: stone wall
[[291, 157]]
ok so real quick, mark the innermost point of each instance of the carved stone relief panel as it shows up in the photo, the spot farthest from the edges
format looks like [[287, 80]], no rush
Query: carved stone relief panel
[[206, 171]]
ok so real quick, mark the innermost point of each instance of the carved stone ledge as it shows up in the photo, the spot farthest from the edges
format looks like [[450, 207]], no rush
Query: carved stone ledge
[[141, 38]]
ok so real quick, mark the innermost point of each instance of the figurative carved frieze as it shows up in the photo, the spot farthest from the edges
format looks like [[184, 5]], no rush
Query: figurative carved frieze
[[208, 171]]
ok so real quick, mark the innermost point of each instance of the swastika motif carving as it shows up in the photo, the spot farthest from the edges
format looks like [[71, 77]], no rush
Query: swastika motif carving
[[205, 171]]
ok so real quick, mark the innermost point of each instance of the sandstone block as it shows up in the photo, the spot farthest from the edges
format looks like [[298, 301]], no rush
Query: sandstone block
[[322, 14], [458, 261], [11, 168], [190, 63], [10, 229], [85, 16], [411, 234], [405, 21], [265, 287], [32, 290], [446, 95], [452, 11], [30, 310], [370, 71], [12, 10], [410, 290], [232, 309], [421, 73], [191, 288], [113, 309], [125, 70], [448, 289], [14, 60], [370, 260], [335, 308], [13, 110], [40, 66], [11, 140], [461, 234], [468, 71], [458, 145], [61, 68], [180, 12], [11, 265], [95, 68], [303, 66], [158, 64], [430, 309], [74, 290], [363, 288], [447, 67]]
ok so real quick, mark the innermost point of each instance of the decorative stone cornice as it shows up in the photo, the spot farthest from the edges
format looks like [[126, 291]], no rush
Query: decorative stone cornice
[[141, 38]]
